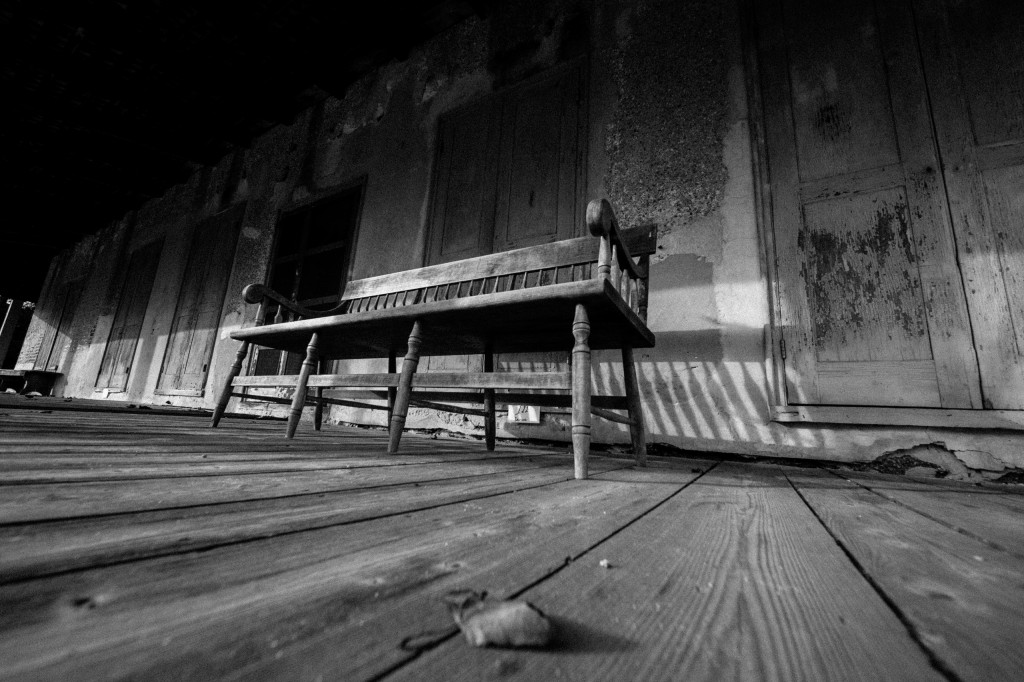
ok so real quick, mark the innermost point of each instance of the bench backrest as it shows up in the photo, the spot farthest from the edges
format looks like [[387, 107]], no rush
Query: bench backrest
[[618, 255], [570, 260]]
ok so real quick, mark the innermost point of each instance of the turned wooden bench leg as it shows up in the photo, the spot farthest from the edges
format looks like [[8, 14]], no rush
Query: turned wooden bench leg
[[299, 399], [581, 391], [392, 391], [225, 392], [318, 410], [490, 421], [401, 408], [637, 429]]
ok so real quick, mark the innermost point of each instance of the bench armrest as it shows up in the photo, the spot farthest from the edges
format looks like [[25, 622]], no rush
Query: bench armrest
[[260, 293], [602, 223]]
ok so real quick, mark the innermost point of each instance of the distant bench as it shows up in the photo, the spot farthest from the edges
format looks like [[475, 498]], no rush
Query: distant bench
[[28, 380], [574, 295]]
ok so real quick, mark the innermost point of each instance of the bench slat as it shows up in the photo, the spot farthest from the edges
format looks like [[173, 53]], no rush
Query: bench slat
[[576, 253], [536, 380]]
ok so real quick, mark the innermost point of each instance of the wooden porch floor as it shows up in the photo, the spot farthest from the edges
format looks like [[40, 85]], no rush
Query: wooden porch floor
[[146, 546]]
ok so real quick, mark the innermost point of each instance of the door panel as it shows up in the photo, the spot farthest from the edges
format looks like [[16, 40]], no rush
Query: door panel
[[843, 120], [974, 60], [864, 291], [870, 297]]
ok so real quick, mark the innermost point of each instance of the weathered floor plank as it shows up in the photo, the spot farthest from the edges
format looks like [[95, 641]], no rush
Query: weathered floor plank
[[205, 615], [44, 548], [121, 472], [39, 502], [964, 598], [733, 578], [982, 514], [155, 547]]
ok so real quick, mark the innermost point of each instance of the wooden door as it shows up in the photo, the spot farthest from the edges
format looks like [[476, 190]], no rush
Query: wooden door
[[197, 314], [509, 169], [974, 61], [131, 310], [870, 298]]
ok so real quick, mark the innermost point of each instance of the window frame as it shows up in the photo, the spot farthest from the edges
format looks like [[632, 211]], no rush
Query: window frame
[[308, 208]]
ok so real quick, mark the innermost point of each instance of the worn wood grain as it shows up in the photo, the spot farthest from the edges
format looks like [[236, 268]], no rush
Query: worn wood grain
[[203, 615], [129, 470], [69, 500], [425, 615], [962, 597], [40, 548], [536, 380], [982, 515], [732, 578]]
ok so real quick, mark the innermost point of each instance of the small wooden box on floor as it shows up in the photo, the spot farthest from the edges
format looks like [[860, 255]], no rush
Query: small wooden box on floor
[[575, 295]]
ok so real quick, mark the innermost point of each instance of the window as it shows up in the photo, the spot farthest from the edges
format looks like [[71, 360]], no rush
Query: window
[[312, 255]]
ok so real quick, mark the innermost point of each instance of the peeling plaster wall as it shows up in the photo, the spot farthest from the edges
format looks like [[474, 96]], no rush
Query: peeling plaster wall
[[669, 145]]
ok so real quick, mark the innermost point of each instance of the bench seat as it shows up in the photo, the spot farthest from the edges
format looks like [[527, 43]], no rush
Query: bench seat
[[528, 320]]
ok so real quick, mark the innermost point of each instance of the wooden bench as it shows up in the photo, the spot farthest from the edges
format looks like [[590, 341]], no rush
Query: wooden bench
[[575, 295], [28, 380]]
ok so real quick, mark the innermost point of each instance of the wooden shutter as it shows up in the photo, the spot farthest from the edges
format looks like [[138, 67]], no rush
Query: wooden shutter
[[871, 301], [509, 169], [57, 337], [131, 310], [462, 214], [197, 314], [540, 177], [974, 60]]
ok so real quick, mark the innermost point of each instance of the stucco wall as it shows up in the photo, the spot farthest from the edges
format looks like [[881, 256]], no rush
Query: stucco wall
[[669, 145]]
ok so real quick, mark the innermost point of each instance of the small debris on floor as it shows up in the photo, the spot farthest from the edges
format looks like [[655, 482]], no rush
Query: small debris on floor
[[498, 623], [604, 563]]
